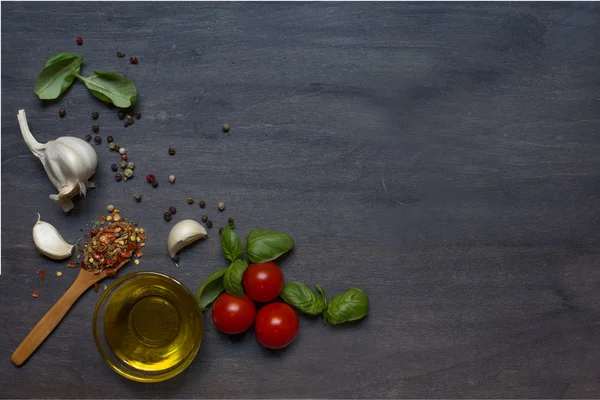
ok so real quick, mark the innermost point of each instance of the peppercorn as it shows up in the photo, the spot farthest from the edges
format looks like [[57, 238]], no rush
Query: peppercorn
[[110, 208], [121, 115], [131, 165], [114, 167], [112, 145], [120, 54], [172, 151], [154, 182], [79, 40], [202, 204], [220, 231], [209, 224], [62, 112], [204, 218], [95, 115], [128, 173], [124, 157], [150, 178], [138, 115], [117, 147], [122, 150], [88, 137], [221, 206], [123, 164], [172, 210], [95, 128], [133, 60], [190, 200], [118, 177], [230, 222], [110, 139], [225, 127], [97, 139], [137, 197], [167, 216], [129, 121], [171, 178]]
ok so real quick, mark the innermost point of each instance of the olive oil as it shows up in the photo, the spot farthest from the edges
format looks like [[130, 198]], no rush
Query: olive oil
[[152, 324]]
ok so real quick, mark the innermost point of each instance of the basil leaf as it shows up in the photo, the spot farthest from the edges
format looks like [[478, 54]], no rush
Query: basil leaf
[[232, 280], [230, 243], [351, 305], [111, 87], [210, 289], [264, 245], [57, 77], [58, 57], [300, 296]]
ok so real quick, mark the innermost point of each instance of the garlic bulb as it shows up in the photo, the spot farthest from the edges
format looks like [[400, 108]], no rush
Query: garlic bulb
[[49, 241], [69, 162], [182, 234]]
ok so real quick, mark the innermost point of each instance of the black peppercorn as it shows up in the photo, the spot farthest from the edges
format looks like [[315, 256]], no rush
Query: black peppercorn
[[118, 177], [62, 112], [231, 222], [130, 121], [220, 231], [95, 115], [110, 139], [120, 54], [138, 197], [190, 200], [154, 182], [88, 137], [133, 60], [121, 115], [114, 167], [202, 204], [167, 216], [117, 147], [138, 115], [204, 218], [97, 139], [95, 128], [172, 151], [172, 210], [209, 224]]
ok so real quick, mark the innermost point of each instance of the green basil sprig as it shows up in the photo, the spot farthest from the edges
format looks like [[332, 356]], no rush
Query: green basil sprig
[[232, 280], [210, 289], [264, 245], [230, 243], [351, 305], [61, 69], [300, 296]]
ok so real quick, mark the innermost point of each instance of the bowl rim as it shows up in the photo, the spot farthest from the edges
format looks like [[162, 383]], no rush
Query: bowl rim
[[156, 378]]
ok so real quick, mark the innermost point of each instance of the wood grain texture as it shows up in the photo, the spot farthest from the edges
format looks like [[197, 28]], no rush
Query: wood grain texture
[[443, 157]]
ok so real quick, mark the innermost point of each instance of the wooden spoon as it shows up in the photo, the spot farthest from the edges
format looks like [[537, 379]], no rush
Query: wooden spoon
[[46, 325]]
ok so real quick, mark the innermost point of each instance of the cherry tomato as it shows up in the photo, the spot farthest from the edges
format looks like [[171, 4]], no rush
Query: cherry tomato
[[263, 282], [276, 325], [232, 314]]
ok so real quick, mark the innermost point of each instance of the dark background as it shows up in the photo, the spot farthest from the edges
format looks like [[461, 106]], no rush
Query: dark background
[[443, 157]]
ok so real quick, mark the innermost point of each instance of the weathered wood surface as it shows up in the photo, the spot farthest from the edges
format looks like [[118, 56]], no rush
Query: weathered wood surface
[[444, 157]]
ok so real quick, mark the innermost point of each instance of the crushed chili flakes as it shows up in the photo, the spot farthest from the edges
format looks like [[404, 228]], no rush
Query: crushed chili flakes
[[71, 264], [42, 274], [96, 287], [110, 243], [34, 294]]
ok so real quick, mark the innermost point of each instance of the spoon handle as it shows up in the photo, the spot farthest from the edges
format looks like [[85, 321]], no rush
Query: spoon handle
[[49, 321]]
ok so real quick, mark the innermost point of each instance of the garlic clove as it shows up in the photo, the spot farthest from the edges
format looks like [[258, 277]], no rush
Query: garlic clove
[[49, 241], [182, 234]]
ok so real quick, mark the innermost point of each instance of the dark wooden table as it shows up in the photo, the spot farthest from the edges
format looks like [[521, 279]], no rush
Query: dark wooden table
[[443, 157]]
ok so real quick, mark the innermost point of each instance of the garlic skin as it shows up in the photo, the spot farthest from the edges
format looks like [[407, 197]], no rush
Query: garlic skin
[[182, 234], [49, 241], [69, 162]]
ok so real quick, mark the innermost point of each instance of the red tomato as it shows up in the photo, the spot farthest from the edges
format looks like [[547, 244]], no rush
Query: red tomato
[[263, 282], [276, 325], [232, 314]]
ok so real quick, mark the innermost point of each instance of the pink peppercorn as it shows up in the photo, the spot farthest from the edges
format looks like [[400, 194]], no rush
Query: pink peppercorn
[[124, 157], [150, 178], [79, 41]]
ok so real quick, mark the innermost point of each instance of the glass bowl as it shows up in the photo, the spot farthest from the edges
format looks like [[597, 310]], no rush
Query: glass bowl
[[147, 326]]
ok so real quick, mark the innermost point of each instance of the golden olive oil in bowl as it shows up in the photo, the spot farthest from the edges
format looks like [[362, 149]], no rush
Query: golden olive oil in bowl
[[148, 326]]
